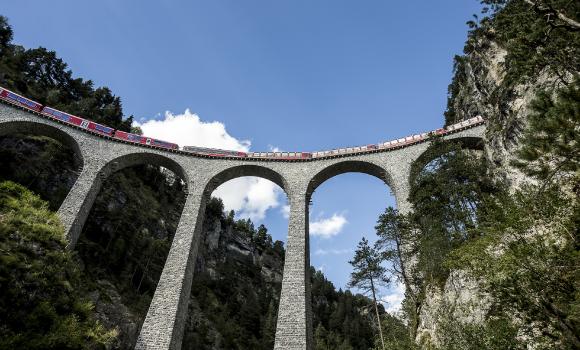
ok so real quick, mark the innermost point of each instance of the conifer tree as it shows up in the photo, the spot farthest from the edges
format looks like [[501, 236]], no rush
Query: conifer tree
[[551, 144], [368, 274]]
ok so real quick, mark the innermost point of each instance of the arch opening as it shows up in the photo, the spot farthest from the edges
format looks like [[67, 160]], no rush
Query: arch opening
[[248, 170], [41, 157], [439, 148], [238, 274], [350, 166], [343, 211], [127, 236]]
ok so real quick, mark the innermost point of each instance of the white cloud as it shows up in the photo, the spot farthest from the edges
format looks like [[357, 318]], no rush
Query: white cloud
[[188, 129], [249, 197], [392, 301], [328, 227], [332, 251], [285, 210]]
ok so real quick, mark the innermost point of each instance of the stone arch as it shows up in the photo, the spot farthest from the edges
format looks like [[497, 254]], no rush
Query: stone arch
[[466, 142], [43, 129], [347, 166], [75, 209], [242, 171], [131, 237], [143, 158]]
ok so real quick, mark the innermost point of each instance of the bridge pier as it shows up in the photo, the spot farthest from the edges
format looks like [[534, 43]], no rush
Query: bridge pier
[[75, 208], [294, 328], [164, 324]]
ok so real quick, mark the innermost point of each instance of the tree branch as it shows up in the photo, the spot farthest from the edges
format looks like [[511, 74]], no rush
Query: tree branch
[[547, 9]]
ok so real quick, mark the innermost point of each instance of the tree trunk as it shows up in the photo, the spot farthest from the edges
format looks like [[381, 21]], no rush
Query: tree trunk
[[144, 272], [377, 312]]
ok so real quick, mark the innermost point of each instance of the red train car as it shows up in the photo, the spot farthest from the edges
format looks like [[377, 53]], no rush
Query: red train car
[[21, 101], [78, 121], [215, 152], [292, 155], [144, 140]]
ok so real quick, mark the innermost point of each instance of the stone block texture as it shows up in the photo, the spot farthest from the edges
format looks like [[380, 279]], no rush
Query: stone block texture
[[101, 156]]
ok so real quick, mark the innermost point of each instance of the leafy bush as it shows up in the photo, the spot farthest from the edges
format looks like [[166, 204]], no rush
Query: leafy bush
[[40, 284]]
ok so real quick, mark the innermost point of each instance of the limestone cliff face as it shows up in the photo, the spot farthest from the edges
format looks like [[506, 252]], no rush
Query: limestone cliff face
[[221, 242], [478, 89], [231, 268]]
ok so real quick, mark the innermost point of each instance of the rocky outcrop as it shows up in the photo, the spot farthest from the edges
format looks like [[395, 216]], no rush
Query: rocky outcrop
[[221, 243], [114, 314], [478, 88]]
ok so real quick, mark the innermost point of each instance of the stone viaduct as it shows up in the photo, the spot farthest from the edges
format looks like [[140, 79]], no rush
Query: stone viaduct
[[99, 156]]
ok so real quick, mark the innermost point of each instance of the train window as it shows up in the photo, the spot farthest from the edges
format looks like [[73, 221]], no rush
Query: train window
[[148, 141]]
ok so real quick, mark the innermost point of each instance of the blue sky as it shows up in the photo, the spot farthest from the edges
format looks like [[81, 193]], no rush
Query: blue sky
[[292, 75]]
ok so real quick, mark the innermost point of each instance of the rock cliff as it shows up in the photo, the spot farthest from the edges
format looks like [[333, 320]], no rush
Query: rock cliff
[[486, 83]]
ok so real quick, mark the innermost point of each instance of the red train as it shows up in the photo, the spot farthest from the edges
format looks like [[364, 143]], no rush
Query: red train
[[144, 140], [214, 152], [281, 155], [90, 125], [18, 100], [78, 121]]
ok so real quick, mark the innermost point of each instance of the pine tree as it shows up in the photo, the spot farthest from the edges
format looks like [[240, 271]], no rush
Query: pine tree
[[368, 274], [551, 144]]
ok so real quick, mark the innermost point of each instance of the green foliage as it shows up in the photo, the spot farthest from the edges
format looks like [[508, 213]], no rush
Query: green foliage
[[41, 164], [5, 35], [239, 302], [445, 196], [129, 231], [397, 239], [458, 81], [520, 244], [367, 269], [535, 38], [529, 260], [397, 334], [341, 319], [551, 143], [527, 251], [368, 273], [494, 333], [41, 304], [40, 75]]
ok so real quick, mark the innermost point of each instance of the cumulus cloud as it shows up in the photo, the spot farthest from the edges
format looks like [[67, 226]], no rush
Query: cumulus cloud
[[188, 129], [392, 301], [328, 227], [332, 251], [249, 197]]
